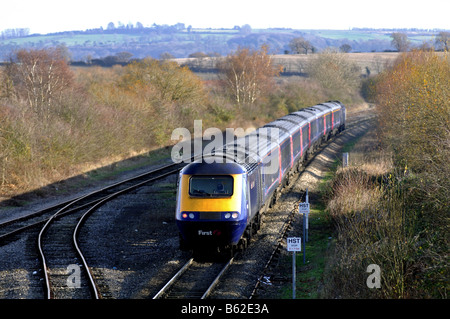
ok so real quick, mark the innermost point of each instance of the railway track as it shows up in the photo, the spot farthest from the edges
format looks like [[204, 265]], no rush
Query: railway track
[[57, 241], [195, 280], [58, 257], [12, 227], [277, 249]]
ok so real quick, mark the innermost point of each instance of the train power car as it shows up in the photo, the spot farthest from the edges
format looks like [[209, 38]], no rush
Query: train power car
[[222, 196]]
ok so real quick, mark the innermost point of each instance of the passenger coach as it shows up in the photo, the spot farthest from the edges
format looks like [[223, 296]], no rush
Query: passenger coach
[[222, 196]]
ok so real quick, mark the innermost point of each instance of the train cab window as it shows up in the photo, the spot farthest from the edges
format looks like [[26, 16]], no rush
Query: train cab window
[[211, 186]]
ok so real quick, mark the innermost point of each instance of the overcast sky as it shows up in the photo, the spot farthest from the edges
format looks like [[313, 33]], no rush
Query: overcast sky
[[45, 16]]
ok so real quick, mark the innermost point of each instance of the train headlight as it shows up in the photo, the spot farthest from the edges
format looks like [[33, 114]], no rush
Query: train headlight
[[233, 215], [191, 215], [184, 215]]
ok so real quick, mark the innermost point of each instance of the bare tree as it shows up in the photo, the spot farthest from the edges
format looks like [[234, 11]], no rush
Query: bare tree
[[246, 29], [400, 41], [166, 56], [248, 73], [124, 56], [300, 45], [443, 40], [345, 48], [40, 76]]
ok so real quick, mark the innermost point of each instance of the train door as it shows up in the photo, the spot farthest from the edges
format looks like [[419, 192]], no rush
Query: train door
[[332, 120], [253, 186], [245, 206], [309, 134]]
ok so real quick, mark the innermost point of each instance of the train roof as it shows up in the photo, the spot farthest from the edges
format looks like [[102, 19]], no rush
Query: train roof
[[267, 138], [251, 149], [298, 119], [213, 168], [319, 109], [335, 104], [308, 113], [285, 125], [248, 151]]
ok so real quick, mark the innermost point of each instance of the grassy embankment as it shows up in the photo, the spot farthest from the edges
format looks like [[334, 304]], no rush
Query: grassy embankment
[[311, 276], [390, 207]]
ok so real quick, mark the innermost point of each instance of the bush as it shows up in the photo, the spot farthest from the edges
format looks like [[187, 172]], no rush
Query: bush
[[103, 116], [375, 226], [414, 114], [399, 221], [336, 74]]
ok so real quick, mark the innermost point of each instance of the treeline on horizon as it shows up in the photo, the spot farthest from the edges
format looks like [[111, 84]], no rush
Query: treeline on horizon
[[180, 40], [179, 27]]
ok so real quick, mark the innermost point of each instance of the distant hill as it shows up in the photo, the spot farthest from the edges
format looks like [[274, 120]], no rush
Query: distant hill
[[177, 41]]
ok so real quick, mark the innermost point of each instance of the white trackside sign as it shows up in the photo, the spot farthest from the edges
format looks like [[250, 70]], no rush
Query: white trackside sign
[[294, 244]]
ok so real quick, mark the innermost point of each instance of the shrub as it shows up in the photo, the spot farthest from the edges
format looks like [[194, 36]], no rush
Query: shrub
[[400, 221], [375, 226], [335, 73], [414, 115]]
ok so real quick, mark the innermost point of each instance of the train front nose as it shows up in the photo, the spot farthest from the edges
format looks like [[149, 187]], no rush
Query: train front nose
[[209, 205], [197, 232]]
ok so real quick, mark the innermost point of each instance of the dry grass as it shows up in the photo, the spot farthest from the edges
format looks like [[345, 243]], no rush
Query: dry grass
[[368, 207], [353, 192], [376, 62]]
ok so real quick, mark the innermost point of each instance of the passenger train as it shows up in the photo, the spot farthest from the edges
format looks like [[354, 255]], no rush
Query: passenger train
[[222, 196]]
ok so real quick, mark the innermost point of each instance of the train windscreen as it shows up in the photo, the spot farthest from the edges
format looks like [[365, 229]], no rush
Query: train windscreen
[[211, 186]]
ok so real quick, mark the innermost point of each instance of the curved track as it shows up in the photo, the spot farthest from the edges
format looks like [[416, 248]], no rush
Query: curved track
[[195, 280], [57, 241], [15, 226]]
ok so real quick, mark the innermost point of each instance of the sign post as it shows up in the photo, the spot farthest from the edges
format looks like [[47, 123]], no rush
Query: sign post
[[294, 244], [344, 159], [303, 208]]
